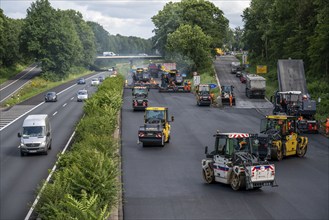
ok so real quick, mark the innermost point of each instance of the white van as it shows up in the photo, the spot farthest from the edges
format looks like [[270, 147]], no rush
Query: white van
[[36, 135], [109, 54]]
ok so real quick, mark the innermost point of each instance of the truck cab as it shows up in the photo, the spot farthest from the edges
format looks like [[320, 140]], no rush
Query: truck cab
[[156, 128]]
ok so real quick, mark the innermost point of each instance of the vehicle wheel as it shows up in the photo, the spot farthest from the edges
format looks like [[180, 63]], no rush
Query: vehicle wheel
[[247, 92], [208, 176], [235, 182], [46, 152], [22, 154], [49, 146], [301, 152], [168, 139], [277, 154]]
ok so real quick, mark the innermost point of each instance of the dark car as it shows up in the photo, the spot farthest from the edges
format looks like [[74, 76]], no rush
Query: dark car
[[81, 81], [51, 97], [243, 78], [101, 78]]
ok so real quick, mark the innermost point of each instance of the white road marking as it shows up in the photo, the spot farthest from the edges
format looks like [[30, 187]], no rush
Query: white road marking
[[27, 217], [64, 104], [72, 98], [21, 116], [14, 92], [18, 78], [54, 113]]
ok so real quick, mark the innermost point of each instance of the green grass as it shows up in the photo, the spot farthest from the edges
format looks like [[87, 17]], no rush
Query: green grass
[[8, 72], [39, 85]]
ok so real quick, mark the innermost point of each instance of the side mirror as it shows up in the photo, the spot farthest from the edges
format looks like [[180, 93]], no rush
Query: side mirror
[[172, 118], [19, 135], [206, 150]]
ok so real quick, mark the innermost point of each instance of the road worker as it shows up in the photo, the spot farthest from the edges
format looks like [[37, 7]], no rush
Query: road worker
[[231, 99], [327, 126], [189, 85]]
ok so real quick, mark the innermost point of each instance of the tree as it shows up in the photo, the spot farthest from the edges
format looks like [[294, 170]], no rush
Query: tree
[[190, 41]]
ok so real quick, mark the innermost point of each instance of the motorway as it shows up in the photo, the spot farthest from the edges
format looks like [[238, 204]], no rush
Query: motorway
[[167, 183], [11, 86], [20, 176]]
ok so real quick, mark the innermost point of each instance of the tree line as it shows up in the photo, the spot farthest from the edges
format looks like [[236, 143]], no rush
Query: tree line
[[292, 29], [189, 31], [59, 40]]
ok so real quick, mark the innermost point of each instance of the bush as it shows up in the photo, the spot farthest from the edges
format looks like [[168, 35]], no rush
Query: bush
[[85, 184]]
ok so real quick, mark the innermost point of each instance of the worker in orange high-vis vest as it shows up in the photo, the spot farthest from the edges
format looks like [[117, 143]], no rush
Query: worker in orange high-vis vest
[[231, 100], [327, 126]]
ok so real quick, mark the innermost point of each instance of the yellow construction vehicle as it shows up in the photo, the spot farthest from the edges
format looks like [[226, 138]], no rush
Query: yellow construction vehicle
[[279, 135], [156, 128]]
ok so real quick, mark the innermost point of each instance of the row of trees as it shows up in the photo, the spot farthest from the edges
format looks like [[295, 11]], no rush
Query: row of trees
[[282, 29], [189, 30], [59, 39], [292, 29]]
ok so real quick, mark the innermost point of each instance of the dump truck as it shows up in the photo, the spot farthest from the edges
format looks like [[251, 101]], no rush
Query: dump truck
[[281, 138], [234, 161], [156, 128], [255, 86]]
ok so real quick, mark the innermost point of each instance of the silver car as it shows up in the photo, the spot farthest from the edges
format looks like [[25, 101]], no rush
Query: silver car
[[94, 81], [82, 95]]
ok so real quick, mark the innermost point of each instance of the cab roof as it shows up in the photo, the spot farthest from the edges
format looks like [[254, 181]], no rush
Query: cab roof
[[35, 120], [233, 135], [282, 117], [156, 108]]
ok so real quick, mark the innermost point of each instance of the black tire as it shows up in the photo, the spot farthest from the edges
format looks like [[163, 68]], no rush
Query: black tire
[[276, 154], [22, 154], [209, 179], [49, 146], [301, 153], [46, 152], [235, 182]]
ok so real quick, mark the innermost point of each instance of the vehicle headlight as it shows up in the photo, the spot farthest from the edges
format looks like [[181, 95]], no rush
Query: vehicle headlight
[[22, 145], [42, 144]]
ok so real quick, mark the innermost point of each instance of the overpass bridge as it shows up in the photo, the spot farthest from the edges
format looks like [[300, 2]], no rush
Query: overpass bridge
[[129, 57]]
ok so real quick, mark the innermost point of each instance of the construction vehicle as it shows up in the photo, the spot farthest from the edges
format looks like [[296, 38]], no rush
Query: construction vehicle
[[141, 77], [292, 86], [293, 103], [279, 137], [203, 94], [255, 86], [173, 81], [235, 67], [234, 161], [156, 128], [140, 97], [227, 91]]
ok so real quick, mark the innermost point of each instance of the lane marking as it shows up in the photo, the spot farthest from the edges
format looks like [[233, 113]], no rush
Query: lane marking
[[64, 105], [72, 98], [27, 217], [54, 113], [17, 79], [22, 115], [14, 91]]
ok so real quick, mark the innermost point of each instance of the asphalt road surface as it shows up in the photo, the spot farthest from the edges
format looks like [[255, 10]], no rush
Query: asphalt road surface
[[20, 176], [11, 86], [167, 183]]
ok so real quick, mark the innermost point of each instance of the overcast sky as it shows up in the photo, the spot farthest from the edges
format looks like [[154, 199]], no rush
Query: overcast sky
[[124, 17]]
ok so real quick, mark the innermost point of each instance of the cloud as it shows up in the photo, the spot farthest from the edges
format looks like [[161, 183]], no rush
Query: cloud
[[124, 17]]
